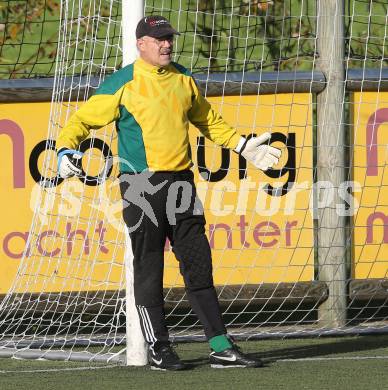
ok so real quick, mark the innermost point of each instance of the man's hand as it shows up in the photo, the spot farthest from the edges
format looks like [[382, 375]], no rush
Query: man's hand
[[69, 163], [257, 151]]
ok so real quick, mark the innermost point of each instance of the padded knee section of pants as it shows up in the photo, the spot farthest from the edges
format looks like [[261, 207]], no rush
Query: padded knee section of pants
[[195, 262]]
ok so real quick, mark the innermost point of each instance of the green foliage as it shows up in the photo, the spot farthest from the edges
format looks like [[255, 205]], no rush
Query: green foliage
[[264, 35], [28, 37], [30, 31], [366, 33], [218, 36]]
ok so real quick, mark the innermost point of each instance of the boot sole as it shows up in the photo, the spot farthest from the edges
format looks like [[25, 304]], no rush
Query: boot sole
[[233, 366], [222, 366], [155, 368]]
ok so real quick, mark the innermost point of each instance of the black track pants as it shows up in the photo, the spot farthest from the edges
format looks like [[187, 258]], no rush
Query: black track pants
[[168, 207]]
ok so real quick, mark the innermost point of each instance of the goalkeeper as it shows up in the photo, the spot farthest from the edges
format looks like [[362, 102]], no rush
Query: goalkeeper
[[152, 102]]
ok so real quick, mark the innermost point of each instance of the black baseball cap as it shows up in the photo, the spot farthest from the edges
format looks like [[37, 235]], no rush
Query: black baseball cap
[[154, 26]]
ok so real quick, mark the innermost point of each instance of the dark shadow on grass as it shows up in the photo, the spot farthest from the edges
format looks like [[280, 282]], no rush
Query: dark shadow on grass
[[339, 346], [315, 349], [204, 362], [197, 362]]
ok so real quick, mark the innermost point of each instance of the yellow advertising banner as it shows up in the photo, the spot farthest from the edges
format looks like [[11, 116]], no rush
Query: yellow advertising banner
[[370, 119], [259, 224]]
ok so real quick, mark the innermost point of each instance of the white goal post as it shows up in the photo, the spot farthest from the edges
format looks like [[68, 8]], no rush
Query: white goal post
[[136, 348]]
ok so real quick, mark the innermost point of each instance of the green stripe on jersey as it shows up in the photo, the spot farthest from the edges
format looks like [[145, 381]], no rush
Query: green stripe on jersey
[[130, 143], [181, 68], [115, 81]]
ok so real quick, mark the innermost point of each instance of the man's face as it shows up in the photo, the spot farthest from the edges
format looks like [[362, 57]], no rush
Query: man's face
[[156, 51]]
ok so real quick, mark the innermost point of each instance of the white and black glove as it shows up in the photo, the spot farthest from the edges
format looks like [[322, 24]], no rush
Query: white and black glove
[[257, 151], [69, 163]]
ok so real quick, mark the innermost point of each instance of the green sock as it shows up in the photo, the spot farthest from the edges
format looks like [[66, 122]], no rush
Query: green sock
[[219, 343]]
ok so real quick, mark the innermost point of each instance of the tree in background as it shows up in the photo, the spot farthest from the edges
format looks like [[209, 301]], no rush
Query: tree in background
[[266, 35], [28, 39]]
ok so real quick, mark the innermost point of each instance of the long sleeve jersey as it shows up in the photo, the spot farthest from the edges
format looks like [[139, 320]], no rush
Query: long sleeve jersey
[[152, 108]]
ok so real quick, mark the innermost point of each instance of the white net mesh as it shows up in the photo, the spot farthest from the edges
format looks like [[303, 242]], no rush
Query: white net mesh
[[252, 60], [69, 287]]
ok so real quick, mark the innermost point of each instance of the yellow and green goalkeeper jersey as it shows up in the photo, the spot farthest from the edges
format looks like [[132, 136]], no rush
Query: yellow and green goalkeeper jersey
[[152, 108]]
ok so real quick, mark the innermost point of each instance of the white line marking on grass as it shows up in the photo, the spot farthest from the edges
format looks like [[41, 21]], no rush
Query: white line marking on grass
[[57, 369], [333, 358]]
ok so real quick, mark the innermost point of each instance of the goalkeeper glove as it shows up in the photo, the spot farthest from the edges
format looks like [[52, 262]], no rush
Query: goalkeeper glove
[[257, 151], [69, 162]]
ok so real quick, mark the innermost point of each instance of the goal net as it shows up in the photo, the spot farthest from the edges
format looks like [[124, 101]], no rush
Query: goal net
[[299, 250]]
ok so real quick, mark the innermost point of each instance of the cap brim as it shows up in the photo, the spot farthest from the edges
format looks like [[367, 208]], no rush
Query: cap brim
[[163, 32]]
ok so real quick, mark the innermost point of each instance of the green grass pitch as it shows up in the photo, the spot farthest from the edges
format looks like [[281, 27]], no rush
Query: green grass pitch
[[329, 363]]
